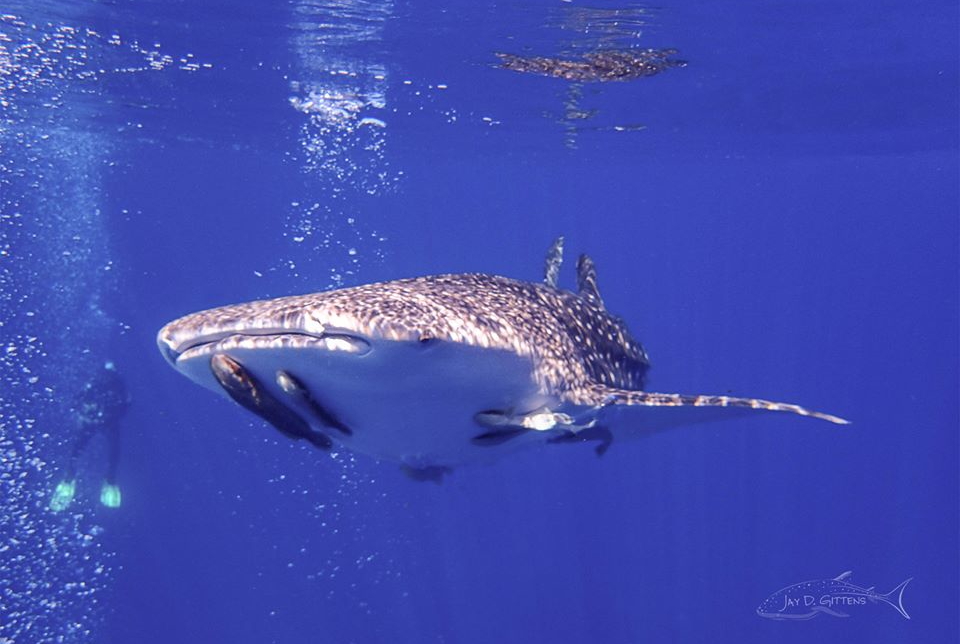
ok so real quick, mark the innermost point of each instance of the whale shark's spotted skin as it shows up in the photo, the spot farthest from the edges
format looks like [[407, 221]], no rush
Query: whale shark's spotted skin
[[435, 371]]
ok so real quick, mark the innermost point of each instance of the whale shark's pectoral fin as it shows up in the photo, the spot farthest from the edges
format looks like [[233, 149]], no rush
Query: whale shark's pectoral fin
[[697, 408]]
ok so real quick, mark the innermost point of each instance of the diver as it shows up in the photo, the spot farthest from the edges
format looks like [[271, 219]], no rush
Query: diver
[[99, 407]]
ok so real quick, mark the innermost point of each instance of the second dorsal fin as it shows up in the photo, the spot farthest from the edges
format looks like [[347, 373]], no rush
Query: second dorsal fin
[[587, 281], [551, 269]]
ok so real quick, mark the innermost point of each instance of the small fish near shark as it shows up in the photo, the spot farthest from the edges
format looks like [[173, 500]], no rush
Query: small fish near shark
[[434, 372]]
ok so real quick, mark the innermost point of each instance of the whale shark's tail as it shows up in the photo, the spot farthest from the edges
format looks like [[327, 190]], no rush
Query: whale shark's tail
[[601, 396]]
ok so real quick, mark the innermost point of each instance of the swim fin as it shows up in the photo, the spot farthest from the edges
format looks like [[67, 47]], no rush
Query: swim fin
[[63, 495], [110, 495]]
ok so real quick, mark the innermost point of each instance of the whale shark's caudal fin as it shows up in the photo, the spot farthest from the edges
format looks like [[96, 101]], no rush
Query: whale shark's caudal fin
[[602, 396], [895, 597]]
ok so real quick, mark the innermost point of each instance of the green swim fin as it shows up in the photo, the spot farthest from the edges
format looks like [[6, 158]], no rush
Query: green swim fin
[[110, 495], [63, 495]]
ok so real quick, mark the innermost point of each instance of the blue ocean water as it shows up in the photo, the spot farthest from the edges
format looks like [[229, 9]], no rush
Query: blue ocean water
[[779, 219]]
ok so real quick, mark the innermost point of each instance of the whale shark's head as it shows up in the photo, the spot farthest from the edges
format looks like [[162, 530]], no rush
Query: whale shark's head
[[292, 323]]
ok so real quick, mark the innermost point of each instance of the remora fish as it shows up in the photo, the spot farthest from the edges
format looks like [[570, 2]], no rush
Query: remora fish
[[436, 371], [808, 599]]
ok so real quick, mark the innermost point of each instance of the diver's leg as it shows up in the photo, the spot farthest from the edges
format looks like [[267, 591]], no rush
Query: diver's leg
[[84, 435], [113, 449]]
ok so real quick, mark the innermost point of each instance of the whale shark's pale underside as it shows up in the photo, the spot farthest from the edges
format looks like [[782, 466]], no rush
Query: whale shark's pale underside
[[436, 371]]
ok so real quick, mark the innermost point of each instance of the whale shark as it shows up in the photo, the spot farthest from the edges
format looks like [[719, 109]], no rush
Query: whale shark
[[438, 371]]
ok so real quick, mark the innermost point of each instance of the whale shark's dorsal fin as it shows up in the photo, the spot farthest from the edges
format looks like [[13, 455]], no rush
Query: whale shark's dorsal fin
[[551, 270], [586, 273], [587, 281]]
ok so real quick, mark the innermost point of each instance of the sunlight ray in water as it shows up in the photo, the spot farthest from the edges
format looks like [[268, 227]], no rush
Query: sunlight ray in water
[[340, 85]]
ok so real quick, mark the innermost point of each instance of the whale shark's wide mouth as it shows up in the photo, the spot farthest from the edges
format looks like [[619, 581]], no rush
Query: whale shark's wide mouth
[[266, 339]]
